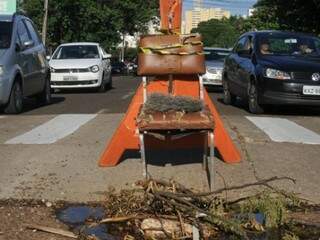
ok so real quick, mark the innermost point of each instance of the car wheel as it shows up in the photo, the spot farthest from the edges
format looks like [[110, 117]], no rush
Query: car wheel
[[45, 96], [254, 106], [228, 97], [102, 87], [109, 84], [15, 105]]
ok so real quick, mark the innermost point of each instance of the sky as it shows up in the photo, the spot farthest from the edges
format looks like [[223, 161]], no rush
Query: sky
[[236, 7]]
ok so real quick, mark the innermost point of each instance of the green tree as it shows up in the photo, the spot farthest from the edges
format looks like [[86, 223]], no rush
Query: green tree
[[100, 21], [293, 15], [221, 33]]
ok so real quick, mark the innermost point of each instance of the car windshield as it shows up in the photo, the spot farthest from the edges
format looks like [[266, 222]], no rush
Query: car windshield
[[282, 44], [5, 34], [77, 52], [216, 55]]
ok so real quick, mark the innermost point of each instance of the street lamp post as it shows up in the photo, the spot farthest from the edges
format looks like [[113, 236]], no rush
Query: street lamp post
[[45, 22]]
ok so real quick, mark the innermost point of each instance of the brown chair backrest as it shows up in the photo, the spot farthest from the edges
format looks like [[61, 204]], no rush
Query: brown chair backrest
[[171, 54]]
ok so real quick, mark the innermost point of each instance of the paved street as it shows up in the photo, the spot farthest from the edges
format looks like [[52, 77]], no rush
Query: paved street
[[51, 152]]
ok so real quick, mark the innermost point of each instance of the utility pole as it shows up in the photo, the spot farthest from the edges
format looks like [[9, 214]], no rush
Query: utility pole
[[123, 47], [45, 22]]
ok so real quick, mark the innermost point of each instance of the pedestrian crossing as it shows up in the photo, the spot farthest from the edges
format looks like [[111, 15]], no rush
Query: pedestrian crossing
[[53, 130], [61, 126], [284, 130]]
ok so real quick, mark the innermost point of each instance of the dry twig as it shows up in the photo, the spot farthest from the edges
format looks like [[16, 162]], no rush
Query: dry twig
[[52, 230]]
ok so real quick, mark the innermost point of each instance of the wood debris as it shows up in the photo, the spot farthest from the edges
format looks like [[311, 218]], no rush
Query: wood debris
[[52, 230]]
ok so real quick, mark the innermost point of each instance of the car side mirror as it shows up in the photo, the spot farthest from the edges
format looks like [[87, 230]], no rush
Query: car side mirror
[[28, 44], [106, 56]]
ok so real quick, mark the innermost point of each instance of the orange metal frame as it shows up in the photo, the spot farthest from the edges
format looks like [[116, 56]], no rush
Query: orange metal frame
[[171, 12], [126, 136]]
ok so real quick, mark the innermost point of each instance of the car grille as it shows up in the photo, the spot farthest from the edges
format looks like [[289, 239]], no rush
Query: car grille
[[72, 70], [302, 75], [70, 83]]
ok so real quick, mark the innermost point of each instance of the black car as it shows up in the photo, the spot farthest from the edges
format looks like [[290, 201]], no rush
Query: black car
[[273, 68]]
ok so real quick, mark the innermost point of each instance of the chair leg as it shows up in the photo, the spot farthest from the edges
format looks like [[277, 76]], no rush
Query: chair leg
[[144, 84], [201, 88], [205, 152], [211, 165], [143, 155]]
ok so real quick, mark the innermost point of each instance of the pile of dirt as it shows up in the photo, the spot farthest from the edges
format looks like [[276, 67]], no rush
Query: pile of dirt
[[16, 215]]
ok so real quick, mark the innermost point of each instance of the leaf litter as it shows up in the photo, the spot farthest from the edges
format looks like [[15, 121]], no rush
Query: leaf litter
[[158, 209]]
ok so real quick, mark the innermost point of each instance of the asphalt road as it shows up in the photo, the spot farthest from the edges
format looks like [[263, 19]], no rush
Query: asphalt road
[[51, 152], [115, 100]]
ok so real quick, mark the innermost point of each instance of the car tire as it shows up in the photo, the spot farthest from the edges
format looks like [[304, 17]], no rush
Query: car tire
[[228, 97], [253, 96], [15, 104], [45, 96], [109, 84], [103, 86]]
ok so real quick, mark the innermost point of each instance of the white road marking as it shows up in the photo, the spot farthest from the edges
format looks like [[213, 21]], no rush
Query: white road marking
[[103, 111], [283, 130], [127, 95], [53, 130], [2, 117]]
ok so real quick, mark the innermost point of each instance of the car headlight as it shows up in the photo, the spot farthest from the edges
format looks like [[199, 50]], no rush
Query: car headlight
[[1, 70], [217, 71], [214, 70], [276, 74], [94, 69]]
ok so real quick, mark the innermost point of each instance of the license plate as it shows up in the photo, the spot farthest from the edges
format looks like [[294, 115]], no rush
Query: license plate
[[311, 90], [70, 78]]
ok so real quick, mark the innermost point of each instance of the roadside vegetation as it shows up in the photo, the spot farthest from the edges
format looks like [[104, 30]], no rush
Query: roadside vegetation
[[295, 15], [103, 21], [106, 21]]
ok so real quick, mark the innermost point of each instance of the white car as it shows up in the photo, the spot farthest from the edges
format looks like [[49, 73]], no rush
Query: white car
[[80, 65], [214, 65]]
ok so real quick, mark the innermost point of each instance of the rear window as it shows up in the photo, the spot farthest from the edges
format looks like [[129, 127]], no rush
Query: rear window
[[77, 52], [5, 34]]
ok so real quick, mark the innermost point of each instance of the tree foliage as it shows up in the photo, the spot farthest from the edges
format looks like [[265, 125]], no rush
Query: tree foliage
[[100, 21], [292, 15], [222, 33]]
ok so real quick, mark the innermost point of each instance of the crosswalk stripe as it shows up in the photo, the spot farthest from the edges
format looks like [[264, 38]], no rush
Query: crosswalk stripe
[[127, 95], [53, 130], [283, 130]]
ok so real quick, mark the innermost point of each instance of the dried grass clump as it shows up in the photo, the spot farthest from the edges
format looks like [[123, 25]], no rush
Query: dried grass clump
[[158, 102], [273, 205]]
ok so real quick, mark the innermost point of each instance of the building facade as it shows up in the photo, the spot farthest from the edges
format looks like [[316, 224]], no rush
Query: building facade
[[250, 12], [195, 16]]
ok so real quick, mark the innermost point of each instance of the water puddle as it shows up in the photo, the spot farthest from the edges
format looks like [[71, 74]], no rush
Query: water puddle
[[83, 221], [77, 215]]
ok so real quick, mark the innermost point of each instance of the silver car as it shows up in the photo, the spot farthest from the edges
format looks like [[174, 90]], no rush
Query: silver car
[[214, 65], [24, 70]]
